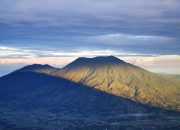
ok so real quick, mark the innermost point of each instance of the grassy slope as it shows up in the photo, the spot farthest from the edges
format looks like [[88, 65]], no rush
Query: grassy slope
[[126, 80], [53, 103]]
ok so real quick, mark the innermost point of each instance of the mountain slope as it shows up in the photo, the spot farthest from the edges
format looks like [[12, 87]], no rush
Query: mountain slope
[[119, 78], [32, 100], [25, 80], [31, 85]]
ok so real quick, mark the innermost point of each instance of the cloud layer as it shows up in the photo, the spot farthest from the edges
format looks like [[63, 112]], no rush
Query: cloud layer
[[142, 32], [155, 17], [18, 57], [131, 25]]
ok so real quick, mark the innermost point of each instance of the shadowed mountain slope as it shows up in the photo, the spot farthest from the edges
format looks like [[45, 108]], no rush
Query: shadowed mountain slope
[[25, 80], [119, 78], [31, 100]]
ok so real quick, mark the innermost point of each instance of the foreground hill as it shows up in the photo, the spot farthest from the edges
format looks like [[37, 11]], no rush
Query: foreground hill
[[119, 78]]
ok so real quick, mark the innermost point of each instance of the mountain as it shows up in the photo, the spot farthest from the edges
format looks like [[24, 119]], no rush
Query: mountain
[[34, 83], [32, 100], [42, 97], [119, 78]]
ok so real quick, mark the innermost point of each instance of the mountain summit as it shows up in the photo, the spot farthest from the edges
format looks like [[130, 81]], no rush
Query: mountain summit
[[95, 62], [119, 78], [38, 68]]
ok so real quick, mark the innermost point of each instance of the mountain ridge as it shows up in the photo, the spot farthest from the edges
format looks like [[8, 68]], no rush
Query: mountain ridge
[[38, 68], [117, 77], [112, 75]]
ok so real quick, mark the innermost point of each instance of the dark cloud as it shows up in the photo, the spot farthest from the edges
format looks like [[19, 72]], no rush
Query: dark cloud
[[136, 26]]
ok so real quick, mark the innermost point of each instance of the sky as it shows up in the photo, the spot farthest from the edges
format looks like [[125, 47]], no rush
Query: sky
[[145, 33]]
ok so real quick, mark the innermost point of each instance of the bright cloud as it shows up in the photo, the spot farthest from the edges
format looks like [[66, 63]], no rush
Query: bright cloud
[[161, 64], [157, 63]]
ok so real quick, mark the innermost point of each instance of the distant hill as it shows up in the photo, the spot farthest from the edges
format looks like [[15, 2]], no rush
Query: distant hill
[[46, 69], [172, 76], [119, 78]]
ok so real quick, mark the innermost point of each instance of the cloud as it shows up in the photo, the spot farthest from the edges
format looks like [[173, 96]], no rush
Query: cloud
[[24, 53], [88, 7], [158, 64], [92, 17], [136, 26], [11, 57], [124, 43]]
